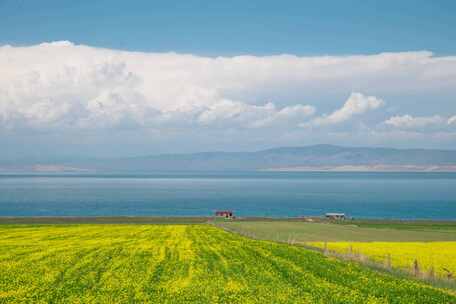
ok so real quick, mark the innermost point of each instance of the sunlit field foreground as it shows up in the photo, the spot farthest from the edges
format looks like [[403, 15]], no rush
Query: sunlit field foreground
[[183, 264], [425, 258]]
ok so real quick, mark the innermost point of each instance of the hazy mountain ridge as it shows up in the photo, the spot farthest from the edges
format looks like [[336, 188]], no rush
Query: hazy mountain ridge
[[307, 158]]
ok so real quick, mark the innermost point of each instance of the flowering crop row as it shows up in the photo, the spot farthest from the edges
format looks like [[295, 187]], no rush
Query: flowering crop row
[[183, 264], [438, 258]]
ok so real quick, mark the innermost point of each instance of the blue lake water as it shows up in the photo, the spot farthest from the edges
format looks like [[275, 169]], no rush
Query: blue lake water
[[367, 195]]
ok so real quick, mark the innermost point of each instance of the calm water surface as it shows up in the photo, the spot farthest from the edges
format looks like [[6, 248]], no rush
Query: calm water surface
[[375, 195]]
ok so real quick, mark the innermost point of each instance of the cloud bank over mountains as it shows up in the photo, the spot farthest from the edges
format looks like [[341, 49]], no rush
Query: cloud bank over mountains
[[425, 122], [60, 87]]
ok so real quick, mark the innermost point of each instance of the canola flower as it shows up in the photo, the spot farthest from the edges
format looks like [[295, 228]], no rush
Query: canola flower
[[431, 257], [183, 264]]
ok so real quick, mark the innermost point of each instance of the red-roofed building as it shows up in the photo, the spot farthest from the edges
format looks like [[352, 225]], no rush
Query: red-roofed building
[[224, 213]]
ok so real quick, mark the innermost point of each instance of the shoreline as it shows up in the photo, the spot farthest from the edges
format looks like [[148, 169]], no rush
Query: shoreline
[[206, 219]]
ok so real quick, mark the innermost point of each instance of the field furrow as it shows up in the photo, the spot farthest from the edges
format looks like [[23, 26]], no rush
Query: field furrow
[[183, 264]]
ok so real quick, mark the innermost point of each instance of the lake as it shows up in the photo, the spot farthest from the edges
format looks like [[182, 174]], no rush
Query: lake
[[276, 194]]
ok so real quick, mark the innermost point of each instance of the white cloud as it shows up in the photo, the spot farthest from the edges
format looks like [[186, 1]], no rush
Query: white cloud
[[59, 86], [356, 104], [411, 122], [452, 120], [253, 116]]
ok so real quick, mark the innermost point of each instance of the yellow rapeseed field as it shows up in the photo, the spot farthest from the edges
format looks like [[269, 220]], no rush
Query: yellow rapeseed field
[[183, 264], [431, 257]]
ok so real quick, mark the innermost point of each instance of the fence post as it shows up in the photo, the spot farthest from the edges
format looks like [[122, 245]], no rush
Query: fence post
[[431, 273], [388, 261], [416, 268], [449, 273]]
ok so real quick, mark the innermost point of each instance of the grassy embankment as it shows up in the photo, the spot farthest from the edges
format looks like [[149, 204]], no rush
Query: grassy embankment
[[183, 264], [349, 231], [425, 249]]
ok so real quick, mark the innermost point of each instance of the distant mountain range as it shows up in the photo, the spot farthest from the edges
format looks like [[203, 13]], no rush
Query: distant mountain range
[[308, 158]]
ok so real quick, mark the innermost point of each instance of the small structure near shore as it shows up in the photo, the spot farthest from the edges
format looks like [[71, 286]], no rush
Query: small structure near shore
[[225, 214], [335, 216]]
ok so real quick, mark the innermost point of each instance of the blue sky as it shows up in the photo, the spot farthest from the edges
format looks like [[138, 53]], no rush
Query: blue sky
[[118, 78], [236, 27]]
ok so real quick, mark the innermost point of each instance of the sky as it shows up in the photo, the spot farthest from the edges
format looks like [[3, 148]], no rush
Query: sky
[[117, 78]]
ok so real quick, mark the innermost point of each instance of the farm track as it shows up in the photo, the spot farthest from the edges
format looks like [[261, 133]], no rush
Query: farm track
[[183, 264]]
